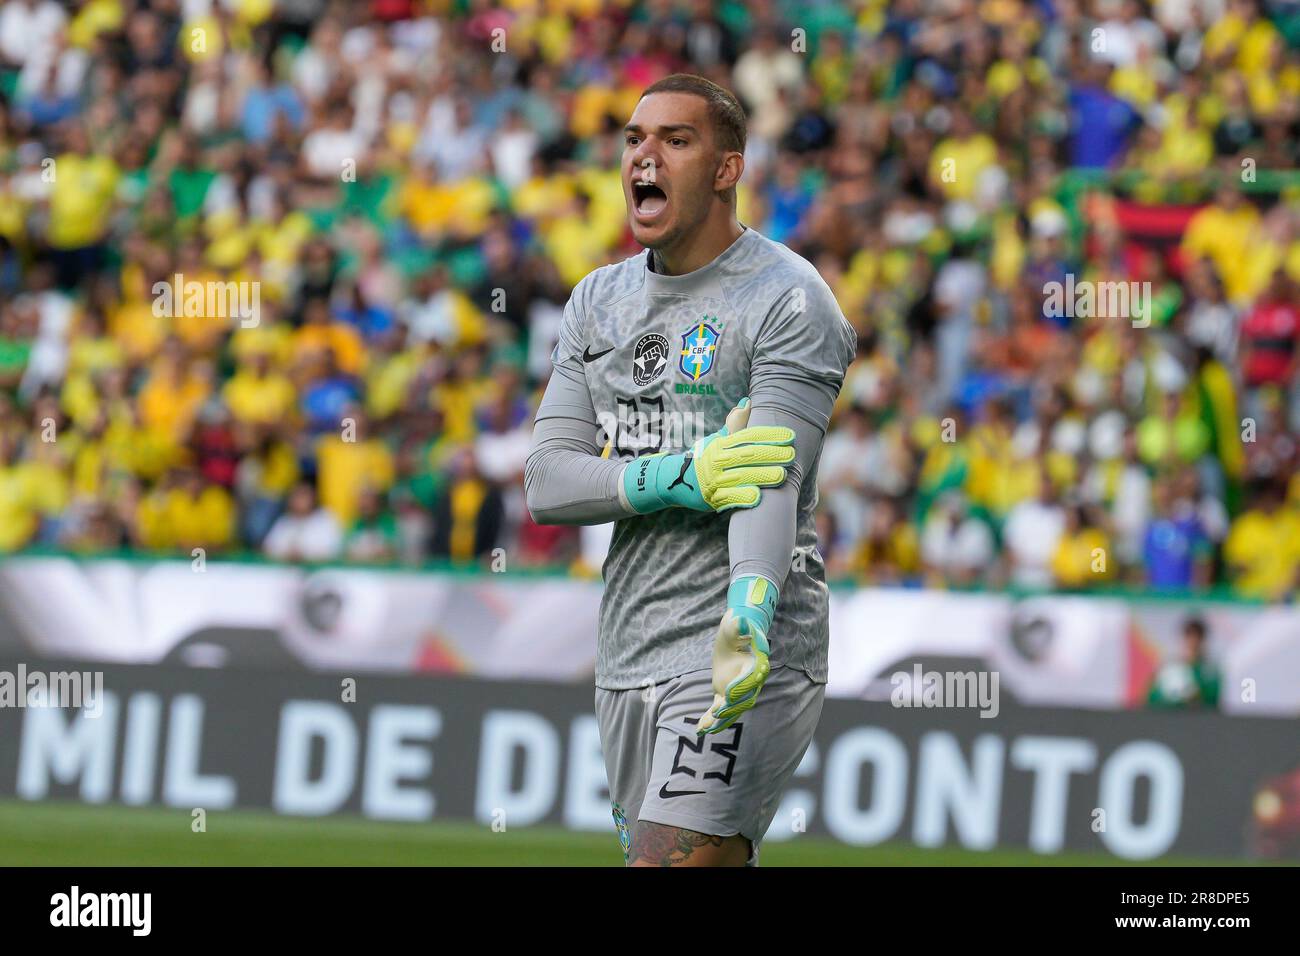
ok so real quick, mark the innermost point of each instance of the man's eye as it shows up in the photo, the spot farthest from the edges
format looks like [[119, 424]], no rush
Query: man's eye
[[677, 141]]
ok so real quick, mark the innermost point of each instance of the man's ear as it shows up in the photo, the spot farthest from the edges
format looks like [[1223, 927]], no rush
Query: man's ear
[[730, 169]]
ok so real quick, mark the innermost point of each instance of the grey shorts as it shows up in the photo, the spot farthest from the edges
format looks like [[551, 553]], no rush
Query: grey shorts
[[721, 784]]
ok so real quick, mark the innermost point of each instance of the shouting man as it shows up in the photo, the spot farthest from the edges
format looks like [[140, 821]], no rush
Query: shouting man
[[702, 723]]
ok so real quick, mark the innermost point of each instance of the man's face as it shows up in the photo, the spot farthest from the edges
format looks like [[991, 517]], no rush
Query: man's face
[[668, 142]]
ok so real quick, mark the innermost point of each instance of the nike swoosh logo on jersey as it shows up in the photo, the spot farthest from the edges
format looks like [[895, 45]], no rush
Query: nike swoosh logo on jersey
[[589, 356]]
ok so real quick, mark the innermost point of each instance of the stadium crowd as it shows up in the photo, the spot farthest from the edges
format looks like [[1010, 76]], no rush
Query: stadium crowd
[[414, 187]]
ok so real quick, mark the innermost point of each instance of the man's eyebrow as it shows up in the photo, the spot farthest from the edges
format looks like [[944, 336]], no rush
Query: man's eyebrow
[[663, 130]]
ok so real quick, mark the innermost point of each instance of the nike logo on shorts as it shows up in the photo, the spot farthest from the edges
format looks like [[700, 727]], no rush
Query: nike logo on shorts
[[667, 794]]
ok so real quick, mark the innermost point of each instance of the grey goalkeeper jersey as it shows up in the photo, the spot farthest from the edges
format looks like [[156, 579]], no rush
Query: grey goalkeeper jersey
[[648, 362]]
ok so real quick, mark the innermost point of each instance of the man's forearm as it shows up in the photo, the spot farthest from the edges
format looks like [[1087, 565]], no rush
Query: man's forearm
[[565, 486], [565, 479], [762, 538]]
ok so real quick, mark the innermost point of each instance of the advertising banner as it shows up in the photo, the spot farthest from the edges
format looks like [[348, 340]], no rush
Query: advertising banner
[[1132, 785]]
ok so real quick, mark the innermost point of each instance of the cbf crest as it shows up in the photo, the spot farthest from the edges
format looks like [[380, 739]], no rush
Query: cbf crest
[[699, 348]]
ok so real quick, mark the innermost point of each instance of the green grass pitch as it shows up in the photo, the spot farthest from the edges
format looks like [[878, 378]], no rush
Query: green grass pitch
[[69, 834]]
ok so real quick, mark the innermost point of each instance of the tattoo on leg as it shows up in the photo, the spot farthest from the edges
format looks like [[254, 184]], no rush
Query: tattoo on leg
[[658, 845]]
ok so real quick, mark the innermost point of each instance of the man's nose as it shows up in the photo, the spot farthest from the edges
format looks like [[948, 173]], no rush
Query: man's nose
[[646, 158]]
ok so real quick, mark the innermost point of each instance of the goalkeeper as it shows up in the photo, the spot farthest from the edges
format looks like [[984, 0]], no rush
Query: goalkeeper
[[711, 655]]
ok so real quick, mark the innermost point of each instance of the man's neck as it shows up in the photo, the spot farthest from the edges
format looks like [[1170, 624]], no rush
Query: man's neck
[[699, 249]]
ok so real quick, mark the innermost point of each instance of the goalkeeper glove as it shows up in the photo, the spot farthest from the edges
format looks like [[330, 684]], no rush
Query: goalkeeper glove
[[719, 472], [740, 652]]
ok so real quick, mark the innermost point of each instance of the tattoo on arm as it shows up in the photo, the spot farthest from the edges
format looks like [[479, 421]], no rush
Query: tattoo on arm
[[659, 845]]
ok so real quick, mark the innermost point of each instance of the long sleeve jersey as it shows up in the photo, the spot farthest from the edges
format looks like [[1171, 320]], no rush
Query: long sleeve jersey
[[648, 362]]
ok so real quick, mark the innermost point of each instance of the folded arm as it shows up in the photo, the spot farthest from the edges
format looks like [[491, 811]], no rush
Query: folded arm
[[799, 363], [762, 538], [566, 481]]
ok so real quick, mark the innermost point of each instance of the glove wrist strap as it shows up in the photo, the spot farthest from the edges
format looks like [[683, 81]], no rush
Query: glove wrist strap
[[641, 484], [754, 597]]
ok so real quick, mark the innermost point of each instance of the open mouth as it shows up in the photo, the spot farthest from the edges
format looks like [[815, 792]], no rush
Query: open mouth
[[650, 199]]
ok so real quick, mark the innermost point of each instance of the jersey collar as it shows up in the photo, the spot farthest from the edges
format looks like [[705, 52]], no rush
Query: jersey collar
[[702, 280]]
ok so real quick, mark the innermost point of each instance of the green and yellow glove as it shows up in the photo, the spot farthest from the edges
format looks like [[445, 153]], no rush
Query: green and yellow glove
[[740, 652], [719, 472]]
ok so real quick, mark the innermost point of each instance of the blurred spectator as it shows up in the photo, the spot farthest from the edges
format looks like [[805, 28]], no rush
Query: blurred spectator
[[1175, 549], [1032, 534], [266, 473], [1083, 553], [350, 463], [257, 394], [1192, 681], [1270, 334], [373, 536], [1263, 546], [188, 512], [956, 547], [467, 518], [304, 532]]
